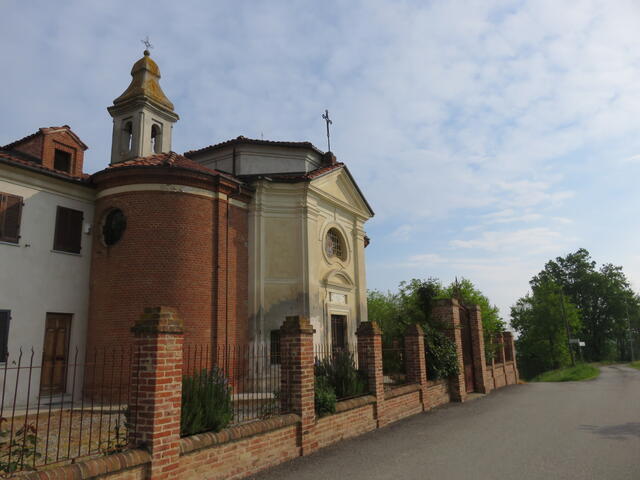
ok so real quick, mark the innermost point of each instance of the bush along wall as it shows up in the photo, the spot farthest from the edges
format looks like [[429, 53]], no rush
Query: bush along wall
[[206, 402], [336, 378]]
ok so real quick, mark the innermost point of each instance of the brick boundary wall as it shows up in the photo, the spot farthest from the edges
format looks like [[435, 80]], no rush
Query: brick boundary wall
[[242, 450]]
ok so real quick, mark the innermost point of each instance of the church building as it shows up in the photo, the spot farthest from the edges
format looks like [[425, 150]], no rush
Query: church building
[[235, 236]]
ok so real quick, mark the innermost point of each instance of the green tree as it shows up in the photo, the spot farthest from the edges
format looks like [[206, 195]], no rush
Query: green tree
[[539, 318], [384, 309], [603, 297]]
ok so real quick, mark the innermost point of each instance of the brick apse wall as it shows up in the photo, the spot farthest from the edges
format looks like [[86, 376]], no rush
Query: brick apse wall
[[245, 449]]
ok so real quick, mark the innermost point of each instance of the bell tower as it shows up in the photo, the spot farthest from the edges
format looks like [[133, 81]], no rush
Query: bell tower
[[143, 116]]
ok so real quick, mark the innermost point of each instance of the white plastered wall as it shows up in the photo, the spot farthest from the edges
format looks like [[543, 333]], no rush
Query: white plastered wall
[[34, 279], [289, 271]]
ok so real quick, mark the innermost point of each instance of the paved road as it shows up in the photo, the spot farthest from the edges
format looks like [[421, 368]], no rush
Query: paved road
[[573, 430]]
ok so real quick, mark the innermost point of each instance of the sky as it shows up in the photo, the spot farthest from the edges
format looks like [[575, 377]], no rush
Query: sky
[[488, 136]]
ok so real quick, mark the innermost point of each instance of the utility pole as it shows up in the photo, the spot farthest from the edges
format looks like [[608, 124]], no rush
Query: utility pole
[[566, 326]]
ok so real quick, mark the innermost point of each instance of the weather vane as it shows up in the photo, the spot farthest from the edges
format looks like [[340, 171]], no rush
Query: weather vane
[[147, 43], [326, 118]]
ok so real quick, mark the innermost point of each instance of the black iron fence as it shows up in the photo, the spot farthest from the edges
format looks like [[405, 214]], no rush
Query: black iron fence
[[394, 365], [337, 367], [58, 408], [231, 383]]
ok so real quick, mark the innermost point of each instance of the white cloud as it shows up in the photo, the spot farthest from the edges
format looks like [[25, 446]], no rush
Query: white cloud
[[527, 241]]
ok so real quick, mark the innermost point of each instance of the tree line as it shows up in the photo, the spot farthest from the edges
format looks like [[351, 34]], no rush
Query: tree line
[[572, 299]]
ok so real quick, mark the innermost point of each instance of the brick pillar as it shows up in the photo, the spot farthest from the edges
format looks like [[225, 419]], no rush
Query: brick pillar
[[477, 343], [416, 361], [503, 357], [447, 311], [157, 389], [297, 378], [370, 362], [508, 339]]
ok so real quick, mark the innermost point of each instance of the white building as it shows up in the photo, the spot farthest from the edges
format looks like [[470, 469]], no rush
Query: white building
[[46, 212]]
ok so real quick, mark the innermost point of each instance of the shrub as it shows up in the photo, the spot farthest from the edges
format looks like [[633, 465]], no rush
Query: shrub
[[325, 397], [341, 373], [206, 402], [442, 360]]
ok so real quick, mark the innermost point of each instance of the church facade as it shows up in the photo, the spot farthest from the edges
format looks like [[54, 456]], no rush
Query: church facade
[[235, 236]]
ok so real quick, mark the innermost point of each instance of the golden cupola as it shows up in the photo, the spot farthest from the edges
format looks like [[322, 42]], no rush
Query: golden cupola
[[143, 116]]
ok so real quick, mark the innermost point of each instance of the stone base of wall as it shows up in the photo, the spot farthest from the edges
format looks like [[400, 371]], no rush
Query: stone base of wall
[[502, 374], [240, 451], [130, 465], [438, 393], [510, 373], [402, 402], [352, 418]]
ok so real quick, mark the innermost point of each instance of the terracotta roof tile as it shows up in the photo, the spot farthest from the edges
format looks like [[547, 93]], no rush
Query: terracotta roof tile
[[14, 158], [171, 159], [254, 141], [43, 130]]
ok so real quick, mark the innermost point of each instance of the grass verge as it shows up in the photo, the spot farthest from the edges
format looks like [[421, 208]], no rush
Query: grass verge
[[635, 364], [582, 371]]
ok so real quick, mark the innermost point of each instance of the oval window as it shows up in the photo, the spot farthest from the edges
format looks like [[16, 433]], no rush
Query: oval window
[[334, 244], [115, 223]]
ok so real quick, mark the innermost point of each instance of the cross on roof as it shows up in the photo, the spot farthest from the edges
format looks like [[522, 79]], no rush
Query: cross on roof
[[326, 118]]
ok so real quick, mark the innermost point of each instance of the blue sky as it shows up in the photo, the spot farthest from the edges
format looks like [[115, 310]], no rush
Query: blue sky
[[488, 136]]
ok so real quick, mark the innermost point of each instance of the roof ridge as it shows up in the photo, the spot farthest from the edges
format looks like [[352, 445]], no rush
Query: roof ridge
[[241, 139], [43, 131]]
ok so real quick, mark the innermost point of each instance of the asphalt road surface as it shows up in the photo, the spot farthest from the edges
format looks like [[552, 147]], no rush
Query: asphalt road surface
[[572, 430]]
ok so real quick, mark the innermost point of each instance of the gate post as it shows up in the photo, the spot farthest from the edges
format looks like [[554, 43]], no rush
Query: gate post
[[477, 343], [508, 337], [297, 377], [416, 361], [157, 389], [370, 362], [447, 311]]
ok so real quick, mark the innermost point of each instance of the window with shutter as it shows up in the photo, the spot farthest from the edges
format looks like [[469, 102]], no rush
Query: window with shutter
[[68, 234], [5, 316], [10, 216]]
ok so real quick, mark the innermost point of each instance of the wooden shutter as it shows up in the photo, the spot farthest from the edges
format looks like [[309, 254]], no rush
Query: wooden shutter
[[68, 234], [5, 316], [10, 216]]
